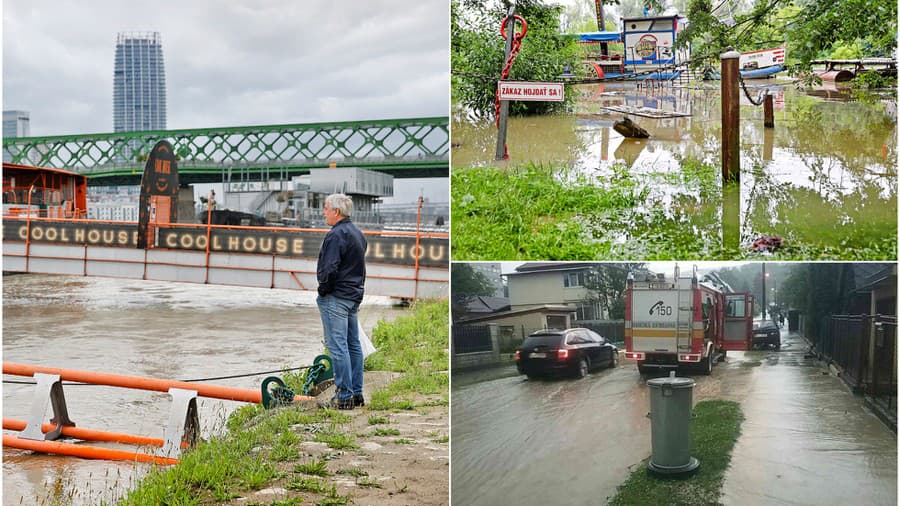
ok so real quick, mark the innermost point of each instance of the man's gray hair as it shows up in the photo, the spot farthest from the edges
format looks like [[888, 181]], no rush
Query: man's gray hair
[[341, 202]]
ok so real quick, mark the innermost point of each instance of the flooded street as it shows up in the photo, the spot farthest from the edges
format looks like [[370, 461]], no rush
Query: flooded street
[[824, 178], [143, 328], [805, 438]]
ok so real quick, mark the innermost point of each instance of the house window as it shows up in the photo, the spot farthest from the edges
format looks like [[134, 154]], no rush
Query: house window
[[588, 311], [573, 279], [557, 322]]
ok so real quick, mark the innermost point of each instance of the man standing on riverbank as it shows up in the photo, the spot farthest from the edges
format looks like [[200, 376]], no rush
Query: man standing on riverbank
[[341, 272]]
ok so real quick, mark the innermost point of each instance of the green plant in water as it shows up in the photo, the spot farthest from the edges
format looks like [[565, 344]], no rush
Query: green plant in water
[[873, 80]]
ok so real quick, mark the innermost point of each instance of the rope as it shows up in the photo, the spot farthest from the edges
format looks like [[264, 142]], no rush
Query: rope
[[18, 382]]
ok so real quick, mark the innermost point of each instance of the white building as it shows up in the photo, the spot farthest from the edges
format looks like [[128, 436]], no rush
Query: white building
[[113, 212], [537, 284]]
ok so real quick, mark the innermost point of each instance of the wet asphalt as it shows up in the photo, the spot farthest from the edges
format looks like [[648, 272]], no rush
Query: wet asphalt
[[806, 439]]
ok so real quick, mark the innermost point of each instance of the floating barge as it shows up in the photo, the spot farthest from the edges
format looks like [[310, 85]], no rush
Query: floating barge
[[845, 70], [645, 49]]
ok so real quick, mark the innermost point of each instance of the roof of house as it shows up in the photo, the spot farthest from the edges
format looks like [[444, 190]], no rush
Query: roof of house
[[480, 304], [549, 267], [546, 308], [867, 276]]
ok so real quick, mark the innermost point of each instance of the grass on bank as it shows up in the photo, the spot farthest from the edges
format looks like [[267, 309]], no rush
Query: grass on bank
[[261, 448], [714, 431], [534, 212]]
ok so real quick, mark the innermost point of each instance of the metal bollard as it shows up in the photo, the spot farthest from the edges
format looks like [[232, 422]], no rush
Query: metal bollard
[[670, 417]]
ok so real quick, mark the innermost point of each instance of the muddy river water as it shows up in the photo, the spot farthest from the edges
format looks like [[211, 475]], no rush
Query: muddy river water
[[825, 175], [805, 438], [142, 328]]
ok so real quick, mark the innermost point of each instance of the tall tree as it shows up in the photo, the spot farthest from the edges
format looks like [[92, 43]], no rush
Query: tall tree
[[466, 283], [606, 285], [811, 28], [477, 53], [817, 290]]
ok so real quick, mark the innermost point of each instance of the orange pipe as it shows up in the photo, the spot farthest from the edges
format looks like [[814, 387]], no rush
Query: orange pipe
[[141, 383], [89, 434], [84, 451]]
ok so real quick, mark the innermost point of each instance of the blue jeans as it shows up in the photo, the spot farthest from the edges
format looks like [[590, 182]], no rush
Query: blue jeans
[[339, 320]]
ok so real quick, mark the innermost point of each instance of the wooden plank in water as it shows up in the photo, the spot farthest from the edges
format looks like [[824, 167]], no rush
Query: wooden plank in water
[[646, 112]]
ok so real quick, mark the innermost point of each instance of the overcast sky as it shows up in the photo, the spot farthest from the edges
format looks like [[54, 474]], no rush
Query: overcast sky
[[232, 62]]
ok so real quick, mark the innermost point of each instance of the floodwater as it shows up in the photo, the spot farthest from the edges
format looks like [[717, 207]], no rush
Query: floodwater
[[143, 328], [824, 177], [805, 438]]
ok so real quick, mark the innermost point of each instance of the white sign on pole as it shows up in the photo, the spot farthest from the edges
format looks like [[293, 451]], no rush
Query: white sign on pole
[[520, 90]]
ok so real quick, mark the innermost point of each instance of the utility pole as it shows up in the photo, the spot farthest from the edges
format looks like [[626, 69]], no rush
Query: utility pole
[[504, 104]]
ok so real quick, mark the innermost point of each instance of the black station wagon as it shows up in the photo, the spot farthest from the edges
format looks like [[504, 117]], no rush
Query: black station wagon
[[569, 351]]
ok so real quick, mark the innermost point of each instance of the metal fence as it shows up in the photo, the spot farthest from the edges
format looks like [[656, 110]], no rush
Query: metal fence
[[884, 368], [612, 330], [471, 338], [865, 347]]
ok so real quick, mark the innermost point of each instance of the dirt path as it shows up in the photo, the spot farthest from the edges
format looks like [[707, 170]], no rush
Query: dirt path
[[411, 466]]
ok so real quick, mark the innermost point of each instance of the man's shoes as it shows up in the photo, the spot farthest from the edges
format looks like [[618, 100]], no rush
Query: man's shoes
[[359, 400], [335, 403]]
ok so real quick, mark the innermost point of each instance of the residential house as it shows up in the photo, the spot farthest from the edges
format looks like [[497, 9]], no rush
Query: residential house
[[536, 284]]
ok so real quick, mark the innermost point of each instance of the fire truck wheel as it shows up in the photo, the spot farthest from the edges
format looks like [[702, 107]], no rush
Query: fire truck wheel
[[706, 366], [582, 368]]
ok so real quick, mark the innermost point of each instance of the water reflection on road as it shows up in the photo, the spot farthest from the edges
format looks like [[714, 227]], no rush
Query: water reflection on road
[[826, 175], [143, 328], [805, 440]]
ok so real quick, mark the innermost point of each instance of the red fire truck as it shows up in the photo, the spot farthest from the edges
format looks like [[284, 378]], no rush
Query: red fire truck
[[683, 322]]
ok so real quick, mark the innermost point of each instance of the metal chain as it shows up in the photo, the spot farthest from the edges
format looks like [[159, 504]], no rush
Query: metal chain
[[514, 50], [760, 98], [312, 376]]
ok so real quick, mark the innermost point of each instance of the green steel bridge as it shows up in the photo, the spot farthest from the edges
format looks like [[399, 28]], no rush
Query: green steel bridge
[[404, 148]]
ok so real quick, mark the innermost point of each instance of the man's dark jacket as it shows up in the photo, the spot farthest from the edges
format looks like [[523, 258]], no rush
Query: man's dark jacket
[[341, 270]]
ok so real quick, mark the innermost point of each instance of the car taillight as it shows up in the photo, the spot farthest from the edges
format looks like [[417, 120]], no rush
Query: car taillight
[[517, 355], [563, 354]]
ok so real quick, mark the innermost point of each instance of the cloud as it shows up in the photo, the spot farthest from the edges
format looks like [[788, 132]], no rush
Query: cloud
[[230, 63]]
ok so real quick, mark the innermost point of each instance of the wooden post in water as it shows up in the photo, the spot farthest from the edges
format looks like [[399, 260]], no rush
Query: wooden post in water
[[731, 117], [731, 217], [504, 104], [768, 112]]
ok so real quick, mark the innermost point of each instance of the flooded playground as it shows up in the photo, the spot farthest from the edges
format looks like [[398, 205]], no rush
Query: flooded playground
[[823, 180]]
